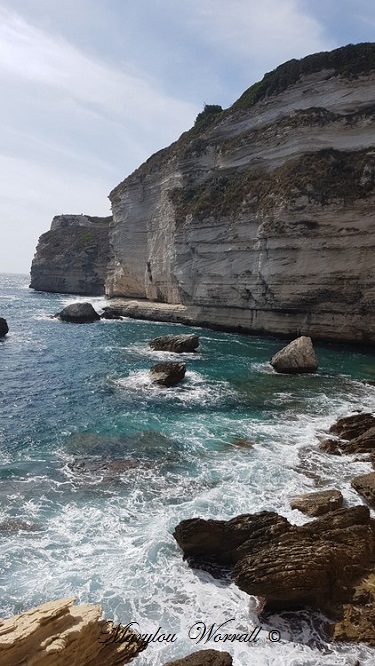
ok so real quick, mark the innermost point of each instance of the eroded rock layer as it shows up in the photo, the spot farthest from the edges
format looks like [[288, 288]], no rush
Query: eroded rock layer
[[73, 256], [262, 216]]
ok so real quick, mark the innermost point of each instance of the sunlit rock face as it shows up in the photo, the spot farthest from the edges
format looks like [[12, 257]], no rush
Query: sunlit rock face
[[73, 256], [262, 216]]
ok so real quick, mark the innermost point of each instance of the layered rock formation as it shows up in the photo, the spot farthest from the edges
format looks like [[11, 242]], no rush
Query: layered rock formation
[[260, 218], [73, 256], [59, 633]]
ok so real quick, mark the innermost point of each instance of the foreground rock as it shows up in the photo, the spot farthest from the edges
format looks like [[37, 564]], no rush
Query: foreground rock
[[59, 633], [167, 374], [176, 343], [78, 313], [297, 357], [365, 486], [3, 327], [315, 565], [317, 504], [204, 658], [355, 434]]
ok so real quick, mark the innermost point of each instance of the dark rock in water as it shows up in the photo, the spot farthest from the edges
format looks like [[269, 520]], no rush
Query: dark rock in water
[[297, 357], [13, 525], [3, 327], [204, 658], [167, 374], [365, 486], [319, 503], [369, 382], [79, 313], [353, 426], [290, 567], [226, 542], [112, 313], [175, 343], [242, 443]]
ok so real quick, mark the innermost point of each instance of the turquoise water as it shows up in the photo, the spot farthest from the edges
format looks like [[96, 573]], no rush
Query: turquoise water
[[82, 392]]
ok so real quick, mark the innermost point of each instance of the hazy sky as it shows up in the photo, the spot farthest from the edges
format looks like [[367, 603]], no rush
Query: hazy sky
[[91, 88]]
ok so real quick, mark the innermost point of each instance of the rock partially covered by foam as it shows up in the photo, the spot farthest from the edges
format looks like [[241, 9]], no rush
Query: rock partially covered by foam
[[297, 357], [167, 374], [59, 633]]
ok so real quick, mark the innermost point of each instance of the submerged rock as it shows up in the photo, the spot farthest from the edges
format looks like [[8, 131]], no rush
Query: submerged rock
[[79, 313], [3, 327], [14, 525], [167, 374], [204, 658], [297, 357], [365, 486], [176, 343], [319, 503], [103, 467], [59, 633]]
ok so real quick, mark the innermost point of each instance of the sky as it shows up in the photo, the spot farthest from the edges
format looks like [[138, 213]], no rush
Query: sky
[[91, 88]]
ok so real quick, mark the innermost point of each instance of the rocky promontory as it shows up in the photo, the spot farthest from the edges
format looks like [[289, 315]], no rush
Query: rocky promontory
[[73, 256]]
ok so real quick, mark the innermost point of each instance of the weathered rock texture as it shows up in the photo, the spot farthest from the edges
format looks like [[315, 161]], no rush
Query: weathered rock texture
[[297, 357], [354, 434], [365, 486], [316, 565], [260, 218], [317, 504], [59, 633], [73, 256]]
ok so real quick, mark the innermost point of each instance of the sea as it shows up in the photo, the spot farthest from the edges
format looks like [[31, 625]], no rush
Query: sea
[[98, 466]]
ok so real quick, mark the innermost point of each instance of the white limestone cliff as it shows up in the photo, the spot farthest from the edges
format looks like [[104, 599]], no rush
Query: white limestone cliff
[[262, 220]]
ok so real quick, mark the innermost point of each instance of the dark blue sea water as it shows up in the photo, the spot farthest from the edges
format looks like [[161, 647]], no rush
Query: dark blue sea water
[[81, 393]]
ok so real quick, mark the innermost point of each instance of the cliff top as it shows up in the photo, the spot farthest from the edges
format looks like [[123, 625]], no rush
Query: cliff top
[[347, 62]]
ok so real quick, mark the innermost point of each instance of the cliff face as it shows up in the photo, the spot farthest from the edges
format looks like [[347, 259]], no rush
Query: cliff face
[[73, 256], [262, 216]]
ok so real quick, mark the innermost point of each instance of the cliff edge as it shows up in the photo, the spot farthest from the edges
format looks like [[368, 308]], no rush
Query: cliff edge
[[261, 217], [73, 256]]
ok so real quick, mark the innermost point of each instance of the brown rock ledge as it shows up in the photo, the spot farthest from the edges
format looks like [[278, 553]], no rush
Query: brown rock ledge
[[58, 633]]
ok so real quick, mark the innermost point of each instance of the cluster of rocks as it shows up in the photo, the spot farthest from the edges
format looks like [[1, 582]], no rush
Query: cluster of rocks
[[319, 565]]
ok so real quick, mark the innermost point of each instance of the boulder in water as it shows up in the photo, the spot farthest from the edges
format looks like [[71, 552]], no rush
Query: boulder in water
[[176, 343], [3, 327], [297, 357], [78, 313], [167, 374]]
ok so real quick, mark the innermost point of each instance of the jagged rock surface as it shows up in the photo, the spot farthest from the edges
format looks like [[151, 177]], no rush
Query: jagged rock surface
[[261, 218], [365, 486], [355, 434], [176, 343], [73, 256], [297, 357], [59, 633]]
